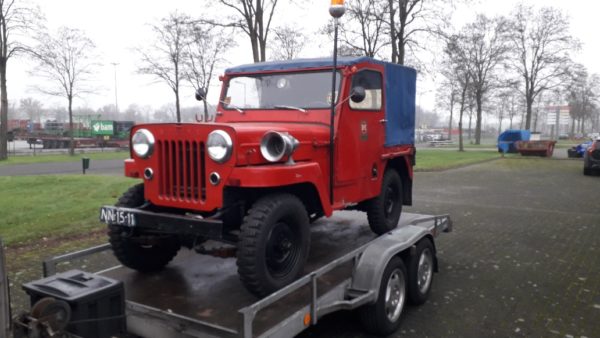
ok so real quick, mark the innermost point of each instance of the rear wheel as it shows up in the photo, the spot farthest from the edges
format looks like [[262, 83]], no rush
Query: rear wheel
[[383, 317], [420, 272], [274, 243], [587, 171], [384, 210], [145, 254]]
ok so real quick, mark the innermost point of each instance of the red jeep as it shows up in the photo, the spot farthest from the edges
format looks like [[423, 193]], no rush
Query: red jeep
[[257, 177]]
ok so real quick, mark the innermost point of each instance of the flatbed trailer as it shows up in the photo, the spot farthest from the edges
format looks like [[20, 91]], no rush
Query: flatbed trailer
[[201, 296], [542, 148]]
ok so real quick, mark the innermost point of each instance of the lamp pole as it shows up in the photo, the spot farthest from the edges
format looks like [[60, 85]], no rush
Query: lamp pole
[[336, 10]]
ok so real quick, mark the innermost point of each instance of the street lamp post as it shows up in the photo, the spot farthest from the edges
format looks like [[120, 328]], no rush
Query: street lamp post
[[337, 9]]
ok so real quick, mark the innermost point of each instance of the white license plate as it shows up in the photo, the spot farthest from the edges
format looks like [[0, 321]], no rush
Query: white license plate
[[117, 216]]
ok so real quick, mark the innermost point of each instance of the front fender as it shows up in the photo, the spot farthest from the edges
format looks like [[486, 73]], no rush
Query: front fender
[[278, 175]]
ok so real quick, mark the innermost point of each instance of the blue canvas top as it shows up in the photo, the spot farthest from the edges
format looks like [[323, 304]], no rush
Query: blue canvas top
[[300, 64]]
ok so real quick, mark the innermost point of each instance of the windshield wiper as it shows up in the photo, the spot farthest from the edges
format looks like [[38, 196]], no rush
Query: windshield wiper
[[229, 105], [289, 107]]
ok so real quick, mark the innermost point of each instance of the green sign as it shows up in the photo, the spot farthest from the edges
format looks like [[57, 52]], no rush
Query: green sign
[[102, 127]]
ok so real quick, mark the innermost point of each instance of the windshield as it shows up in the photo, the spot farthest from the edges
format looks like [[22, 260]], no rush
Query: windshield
[[309, 90]]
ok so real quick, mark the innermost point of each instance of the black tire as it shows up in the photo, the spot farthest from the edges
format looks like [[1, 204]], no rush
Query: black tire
[[420, 272], [384, 210], [587, 171], [129, 251], [376, 318], [274, 243]]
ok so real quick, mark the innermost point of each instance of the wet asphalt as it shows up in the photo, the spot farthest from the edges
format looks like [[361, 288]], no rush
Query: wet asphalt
[[523, 259]]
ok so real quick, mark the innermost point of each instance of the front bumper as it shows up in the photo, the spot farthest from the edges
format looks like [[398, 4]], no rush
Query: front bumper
[[152, 222]]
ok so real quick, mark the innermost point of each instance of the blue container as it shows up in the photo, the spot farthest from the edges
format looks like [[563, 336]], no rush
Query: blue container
[[506, 140]]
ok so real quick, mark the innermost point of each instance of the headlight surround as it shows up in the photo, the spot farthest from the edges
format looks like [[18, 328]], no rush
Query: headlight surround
[[142, 143], [275, 145], [219, 146]]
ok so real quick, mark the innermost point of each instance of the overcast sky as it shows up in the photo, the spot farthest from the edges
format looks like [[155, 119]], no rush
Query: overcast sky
[[118, 27]]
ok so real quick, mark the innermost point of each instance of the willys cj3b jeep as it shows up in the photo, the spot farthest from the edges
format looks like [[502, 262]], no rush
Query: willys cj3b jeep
[[258, 176]]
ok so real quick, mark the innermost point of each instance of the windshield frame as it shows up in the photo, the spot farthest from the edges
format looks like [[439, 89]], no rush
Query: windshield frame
[[328, 71]]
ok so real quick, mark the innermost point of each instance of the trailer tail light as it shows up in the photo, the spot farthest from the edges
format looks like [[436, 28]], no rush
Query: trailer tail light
[[182, 170]]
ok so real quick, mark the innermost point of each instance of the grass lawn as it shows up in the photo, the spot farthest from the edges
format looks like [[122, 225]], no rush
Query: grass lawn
[[109, 155], [439, 159], [35, 207], [53, 206]]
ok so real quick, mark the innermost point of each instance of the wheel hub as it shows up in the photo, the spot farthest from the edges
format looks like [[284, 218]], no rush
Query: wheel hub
[[395, 295], [425, 270], [282, 250]]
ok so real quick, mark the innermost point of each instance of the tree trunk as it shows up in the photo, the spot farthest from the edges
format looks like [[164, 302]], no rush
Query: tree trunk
[[393, 30], [478, 99], [450, 122], [205, 110], [529, 101], [400, 34], [460, 118], [72, 139], [254, 43], [470, 123], [3, 112], [177, 109]]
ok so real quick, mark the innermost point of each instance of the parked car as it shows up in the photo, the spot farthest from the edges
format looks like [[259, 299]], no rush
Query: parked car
[[591, 159], [578, 150]]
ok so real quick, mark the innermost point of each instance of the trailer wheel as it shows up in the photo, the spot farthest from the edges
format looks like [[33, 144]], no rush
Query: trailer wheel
[[383, 316], [131, 251], [384, 210], [420, 272], [274, 243]]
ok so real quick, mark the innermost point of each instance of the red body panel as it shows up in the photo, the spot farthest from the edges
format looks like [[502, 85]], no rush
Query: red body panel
[[360, 157]]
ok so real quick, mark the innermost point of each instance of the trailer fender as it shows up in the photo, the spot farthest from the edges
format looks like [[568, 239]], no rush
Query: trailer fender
[[371, 264]]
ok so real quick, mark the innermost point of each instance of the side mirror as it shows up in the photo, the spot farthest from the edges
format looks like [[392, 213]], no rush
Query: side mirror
[[200, 94], [358, 94]]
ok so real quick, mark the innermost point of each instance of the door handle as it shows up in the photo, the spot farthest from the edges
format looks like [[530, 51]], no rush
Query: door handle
[[382, 121]]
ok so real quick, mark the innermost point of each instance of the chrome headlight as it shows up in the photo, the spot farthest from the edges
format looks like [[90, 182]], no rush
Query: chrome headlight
[[143, 143], [275, 145], [219, 145]]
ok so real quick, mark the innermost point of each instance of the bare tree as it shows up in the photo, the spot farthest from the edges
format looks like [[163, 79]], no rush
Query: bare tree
[[364, 29], [410, 20], [460, 72], [447, 96], [486, 51], [67, 60], [541, 44], [287, 44], [17, 20], [32, 108], [205, 51], [165, 59], [254, 18], [584, 97]]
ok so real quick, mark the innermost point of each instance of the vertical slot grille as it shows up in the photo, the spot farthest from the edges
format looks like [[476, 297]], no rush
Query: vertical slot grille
[[182, 172]]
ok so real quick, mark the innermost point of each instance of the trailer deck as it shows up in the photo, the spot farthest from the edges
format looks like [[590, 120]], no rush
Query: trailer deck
[[201, 296]]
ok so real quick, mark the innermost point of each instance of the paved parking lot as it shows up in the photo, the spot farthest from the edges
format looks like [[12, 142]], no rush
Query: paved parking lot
[[523, 260]]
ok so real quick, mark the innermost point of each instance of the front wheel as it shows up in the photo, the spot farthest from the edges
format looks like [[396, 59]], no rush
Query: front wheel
[[274, 243], [384, 210], [383, 317], [144, 254]]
